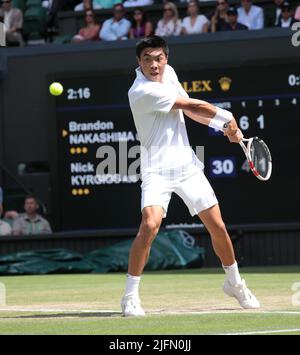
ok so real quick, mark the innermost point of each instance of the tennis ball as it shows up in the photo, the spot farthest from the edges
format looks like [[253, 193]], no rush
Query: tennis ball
[[56, 89]]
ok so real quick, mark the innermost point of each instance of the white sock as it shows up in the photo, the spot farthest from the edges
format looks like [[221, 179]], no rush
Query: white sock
[[132, 285], [233, 274]]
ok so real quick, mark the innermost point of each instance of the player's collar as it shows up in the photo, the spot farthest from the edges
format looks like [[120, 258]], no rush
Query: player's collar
[[139, 73]]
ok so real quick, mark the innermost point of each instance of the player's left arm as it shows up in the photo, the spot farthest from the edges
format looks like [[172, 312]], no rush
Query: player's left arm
[[205, 113]]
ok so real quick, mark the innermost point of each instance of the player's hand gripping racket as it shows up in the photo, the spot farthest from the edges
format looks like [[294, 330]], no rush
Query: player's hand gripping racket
[[258, 156]]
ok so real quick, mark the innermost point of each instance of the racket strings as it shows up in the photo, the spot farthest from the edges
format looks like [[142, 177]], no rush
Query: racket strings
[[260, 157]]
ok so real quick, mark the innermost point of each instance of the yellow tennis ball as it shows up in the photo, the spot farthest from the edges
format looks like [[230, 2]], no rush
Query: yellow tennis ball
[[56, 89]]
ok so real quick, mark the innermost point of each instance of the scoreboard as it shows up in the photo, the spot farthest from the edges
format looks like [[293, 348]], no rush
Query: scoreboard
[[95, 162]]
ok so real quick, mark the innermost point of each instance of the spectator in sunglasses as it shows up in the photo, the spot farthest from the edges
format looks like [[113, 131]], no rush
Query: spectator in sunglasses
[[220, 18], [91, 30], [251, 15], [286, 19], [13, 22], [233, 24], [116, 28], [170, 24], [141, 26]]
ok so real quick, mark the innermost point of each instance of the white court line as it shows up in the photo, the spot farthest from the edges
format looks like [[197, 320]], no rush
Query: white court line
[[242, 311], [264, 332], [157, 312]]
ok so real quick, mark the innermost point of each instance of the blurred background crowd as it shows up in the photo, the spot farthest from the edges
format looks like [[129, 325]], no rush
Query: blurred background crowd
[[36, 22]]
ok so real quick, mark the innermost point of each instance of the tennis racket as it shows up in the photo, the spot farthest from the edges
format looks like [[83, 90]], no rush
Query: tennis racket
[[258, 156]]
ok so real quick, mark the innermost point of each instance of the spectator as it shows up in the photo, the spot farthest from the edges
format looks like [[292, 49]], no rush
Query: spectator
[[273, 16], [141, 26], [13, 22], [194, 23], [31, 222], [5, 228], [1, 196], [297, 14], [138, 3], [233, 24], [286, 19], [91, 31], [116, 28], [170, 24], [251, 15], [87, 5], [220, 17]]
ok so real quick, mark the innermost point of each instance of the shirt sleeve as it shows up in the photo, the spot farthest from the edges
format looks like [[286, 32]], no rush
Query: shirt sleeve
[[174, 77], [181, 91], [156, 98], [18, 20], [1, 195]]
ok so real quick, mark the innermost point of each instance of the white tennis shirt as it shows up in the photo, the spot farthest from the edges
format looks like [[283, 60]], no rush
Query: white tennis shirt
[[161, 130]]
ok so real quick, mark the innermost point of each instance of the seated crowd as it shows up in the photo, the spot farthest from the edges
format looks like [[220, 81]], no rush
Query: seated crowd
[[120, 27], [225, 18], [27, 223]]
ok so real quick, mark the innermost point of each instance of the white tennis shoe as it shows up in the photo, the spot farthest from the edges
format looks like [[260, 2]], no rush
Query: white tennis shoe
[[244, 296], [131, 306]]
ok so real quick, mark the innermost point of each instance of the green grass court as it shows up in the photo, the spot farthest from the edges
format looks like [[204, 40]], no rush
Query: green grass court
[[182, 302]]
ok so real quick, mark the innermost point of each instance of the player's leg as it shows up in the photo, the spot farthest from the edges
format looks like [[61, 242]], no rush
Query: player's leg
[[156, 194], [234, 286], [140, 250], [139, 254], [221, 241], [199, 196]]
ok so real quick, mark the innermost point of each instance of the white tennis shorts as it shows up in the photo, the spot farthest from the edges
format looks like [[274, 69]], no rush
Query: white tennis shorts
[[192, 186]]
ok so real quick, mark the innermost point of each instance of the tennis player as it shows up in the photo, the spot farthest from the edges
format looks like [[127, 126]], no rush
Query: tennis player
[[169, 164]]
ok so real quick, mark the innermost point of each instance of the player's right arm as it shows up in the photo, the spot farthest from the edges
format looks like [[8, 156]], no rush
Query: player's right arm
[[205, 113]]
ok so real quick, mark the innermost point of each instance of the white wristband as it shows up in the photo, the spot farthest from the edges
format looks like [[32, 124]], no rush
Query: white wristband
[[221, 117]]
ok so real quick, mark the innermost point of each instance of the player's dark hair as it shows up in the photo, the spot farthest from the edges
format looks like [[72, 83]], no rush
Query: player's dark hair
[[151, 42]]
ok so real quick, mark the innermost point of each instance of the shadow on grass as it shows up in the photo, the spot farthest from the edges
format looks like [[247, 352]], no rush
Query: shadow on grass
[[67, 315], [104, 314]]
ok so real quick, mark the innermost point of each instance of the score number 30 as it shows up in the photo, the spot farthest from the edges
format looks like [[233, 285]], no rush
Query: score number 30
[[223, 167]]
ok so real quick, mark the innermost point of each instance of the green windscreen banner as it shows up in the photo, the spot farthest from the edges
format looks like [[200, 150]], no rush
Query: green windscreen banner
[[171, 250]]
